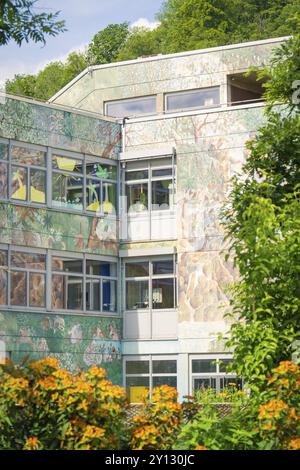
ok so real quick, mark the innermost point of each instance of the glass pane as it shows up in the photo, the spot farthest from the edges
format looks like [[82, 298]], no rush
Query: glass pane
[[18, 288], [159, 381], [137, 295], [36, 290], [164, 367], [162, 172], [67, 164], [93, 295], [131, 107], [93, 195], [28, 260], [194, 99], [3, 180], [3, 151], [19, 183], [28, 156], [162, 194], [67, 292], [38, 186], [136, 387], [67, 191], [109, 292], [3, 277], [204, 382], [136, 175], [162, 293], [204, 365], [109, 198], [137, 367], [223, 363], [67, 264], [137, 197], [231, 382], [101, 268], [163, 267], [137, 269], [102, 171]]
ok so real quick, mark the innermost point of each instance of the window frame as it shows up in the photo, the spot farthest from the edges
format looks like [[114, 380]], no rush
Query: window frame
[[128, 100], [218, 375], [48, 272], [150, 165], [192, 91], [150, 278], [49, 171], [150, 358]]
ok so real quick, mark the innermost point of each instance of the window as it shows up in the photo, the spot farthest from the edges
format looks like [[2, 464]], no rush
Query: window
[[76, 183], [71, 278], [211, 373], [150, 187], [146, 373], [194, 99], [245, 89], [28, 175], [150, 284], [27, 279], [79, 284], [101, 188], [131, 107]]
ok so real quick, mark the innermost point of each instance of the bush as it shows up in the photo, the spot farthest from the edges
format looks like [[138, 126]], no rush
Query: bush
[[157, 426], [45, 407], [267, 421]]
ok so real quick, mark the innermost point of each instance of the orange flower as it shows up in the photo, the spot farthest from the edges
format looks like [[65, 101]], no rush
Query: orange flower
[[201, 448], [32, 443], [294, 443]]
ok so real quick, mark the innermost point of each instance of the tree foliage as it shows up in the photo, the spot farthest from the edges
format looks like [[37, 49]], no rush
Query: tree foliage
[[19, 22], [107, 43], [262, 220]]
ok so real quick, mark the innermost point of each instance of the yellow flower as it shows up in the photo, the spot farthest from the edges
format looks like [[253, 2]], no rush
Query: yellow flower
[[32, 443], [295, 443]]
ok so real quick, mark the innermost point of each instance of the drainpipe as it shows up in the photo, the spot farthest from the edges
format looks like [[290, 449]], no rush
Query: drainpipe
[[124, 133]]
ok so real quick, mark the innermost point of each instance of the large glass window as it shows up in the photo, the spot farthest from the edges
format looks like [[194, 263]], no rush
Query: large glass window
[[194, 99], [101, 289], [27, 279], [148, 372], [3, 276], [150, 187], [80, 183], [28, 175], [150, 284], [131, 107], [211, 373]]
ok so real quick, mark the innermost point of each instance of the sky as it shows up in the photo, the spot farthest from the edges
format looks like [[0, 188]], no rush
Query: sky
[[83, 19]]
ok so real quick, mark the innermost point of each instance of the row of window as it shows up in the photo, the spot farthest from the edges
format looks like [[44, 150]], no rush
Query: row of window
[[174, 102], [147, 372], [79, 284], [32, 174], [83, 283], [150, 284]]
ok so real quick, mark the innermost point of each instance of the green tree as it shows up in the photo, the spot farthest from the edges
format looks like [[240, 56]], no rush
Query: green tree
[[262, 221], [107, 43], [50, 79], [141, 42], [19, 22]]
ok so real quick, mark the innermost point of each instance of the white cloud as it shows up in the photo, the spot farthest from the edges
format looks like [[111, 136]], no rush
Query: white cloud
[[144, 23], [60, 58]]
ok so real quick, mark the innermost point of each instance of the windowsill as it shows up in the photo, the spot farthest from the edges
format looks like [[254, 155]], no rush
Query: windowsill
[[43, 310]]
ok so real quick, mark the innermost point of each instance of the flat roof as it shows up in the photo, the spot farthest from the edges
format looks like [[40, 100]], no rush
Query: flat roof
[[91, 68]]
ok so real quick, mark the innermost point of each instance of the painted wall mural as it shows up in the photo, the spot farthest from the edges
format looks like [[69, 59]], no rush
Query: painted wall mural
[[57, 230], [77, 341], [39, 124]]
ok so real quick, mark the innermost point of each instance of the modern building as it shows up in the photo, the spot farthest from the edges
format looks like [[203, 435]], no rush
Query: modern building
[[112, 251]]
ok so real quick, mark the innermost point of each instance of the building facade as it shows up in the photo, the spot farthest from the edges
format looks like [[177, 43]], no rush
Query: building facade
[[111, 243]]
